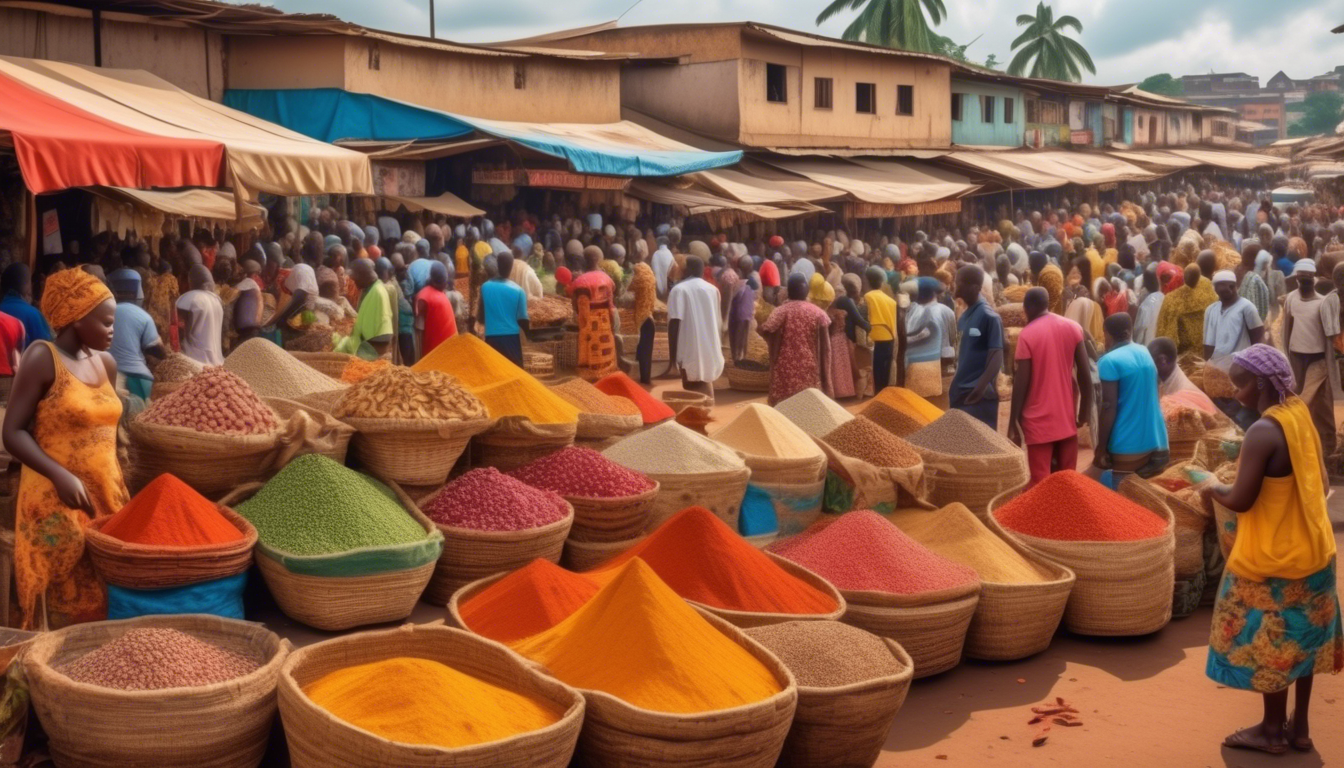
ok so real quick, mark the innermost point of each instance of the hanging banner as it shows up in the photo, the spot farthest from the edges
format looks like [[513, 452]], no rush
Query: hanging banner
[[894, 211], [549, 179]]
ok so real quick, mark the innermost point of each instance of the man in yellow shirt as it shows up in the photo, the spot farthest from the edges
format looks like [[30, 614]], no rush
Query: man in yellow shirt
[[882, 318]]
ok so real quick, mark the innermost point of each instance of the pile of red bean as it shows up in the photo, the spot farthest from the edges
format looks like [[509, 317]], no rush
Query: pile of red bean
[[214, 401], [1068, 506], [583, 473], [152, 659], [489, 500]]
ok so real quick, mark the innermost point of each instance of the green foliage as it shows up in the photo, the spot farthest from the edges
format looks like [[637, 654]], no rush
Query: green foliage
[[893, 23], [944, 46], [1323, 111], [1045, 51], [1163, 85], [992, 62]]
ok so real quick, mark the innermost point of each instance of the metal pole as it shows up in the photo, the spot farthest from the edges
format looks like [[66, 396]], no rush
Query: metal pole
[[431, 18]]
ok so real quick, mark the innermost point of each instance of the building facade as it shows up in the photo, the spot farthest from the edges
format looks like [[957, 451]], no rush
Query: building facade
[[986, 114]]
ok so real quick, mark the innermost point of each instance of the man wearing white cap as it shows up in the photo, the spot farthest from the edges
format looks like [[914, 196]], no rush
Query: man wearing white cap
[[1230, 325], [1308, 328]]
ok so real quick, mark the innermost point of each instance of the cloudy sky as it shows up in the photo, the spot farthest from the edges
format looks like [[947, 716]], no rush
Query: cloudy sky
[[1128, 39]]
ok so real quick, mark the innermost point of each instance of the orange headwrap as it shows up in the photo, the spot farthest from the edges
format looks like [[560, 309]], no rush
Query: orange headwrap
[[71, 294]]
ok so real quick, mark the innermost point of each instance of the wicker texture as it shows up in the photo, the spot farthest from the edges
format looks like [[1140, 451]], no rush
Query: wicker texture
[[339, 603], [586, 555], [931, 628], [751, 736], [413, 451], [972, 480], [1014, 621], [1191, 522], [513, 442], [847, 725], [600, 426], [211, 464], [225, 725], [146, 566], [470, 555], [766, 470], [331, 364], [719, 492], [611, 520], [1123, 588], [749, 619], [317, 739], [681, 399], [744, 380]]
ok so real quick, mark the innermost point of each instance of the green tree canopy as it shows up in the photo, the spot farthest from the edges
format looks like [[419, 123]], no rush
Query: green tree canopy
[[893, 23], [1043, 50], [1163, 85], [992, 62], [1324, 111]]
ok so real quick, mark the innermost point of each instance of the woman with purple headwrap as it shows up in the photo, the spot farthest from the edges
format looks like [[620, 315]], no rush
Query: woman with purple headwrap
[[1276, 621]]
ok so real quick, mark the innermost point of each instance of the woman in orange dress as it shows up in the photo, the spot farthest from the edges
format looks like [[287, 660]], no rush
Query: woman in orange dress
[[62, 425]]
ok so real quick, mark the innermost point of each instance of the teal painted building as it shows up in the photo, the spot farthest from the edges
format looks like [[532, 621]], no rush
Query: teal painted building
[[985, 114]]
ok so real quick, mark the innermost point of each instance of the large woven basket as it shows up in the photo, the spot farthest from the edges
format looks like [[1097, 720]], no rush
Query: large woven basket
[[587, 555], [681, 399], [513, 442], [749, 619], [1123, 588], [470, 555], [772, 471], [602, 426], [335, 603], [1191, 523], [972, 480], [1014, 621], [930, 627], [616, 733], [318, 739], [847, 725], [719, 492], [323, 433], [145, 566], [330, 363], [611, 520], [413, 451], [211, 464], [225, 725], [746, 380]]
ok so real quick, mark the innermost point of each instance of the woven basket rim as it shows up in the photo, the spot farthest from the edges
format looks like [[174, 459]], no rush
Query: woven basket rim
[[616, 501], [541, 530], [725, 474], [368, 425], [801, 573], [94, 532], [56, 638], [886, 600], [903, 677], [147, 430]]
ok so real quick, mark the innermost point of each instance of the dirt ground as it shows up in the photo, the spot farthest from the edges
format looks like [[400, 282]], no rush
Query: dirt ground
[[1143, 701]]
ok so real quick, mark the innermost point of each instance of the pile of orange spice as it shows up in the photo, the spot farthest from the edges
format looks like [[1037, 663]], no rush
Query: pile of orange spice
[[168, 512]]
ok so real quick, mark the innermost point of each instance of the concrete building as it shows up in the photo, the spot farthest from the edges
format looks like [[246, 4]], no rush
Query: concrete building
[[1213, 83], [987, 114], [1265, 107]]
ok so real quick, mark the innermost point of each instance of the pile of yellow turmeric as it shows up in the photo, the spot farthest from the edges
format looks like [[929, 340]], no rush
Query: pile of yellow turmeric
[[418, 701], [506, 389], [640, 642]]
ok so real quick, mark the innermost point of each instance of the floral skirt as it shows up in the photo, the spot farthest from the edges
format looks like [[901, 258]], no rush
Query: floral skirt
[[1267, 634]]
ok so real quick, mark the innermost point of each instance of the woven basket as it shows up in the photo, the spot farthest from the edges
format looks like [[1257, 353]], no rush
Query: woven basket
[[1191, 523], [323, 433], [749, 619], [744, 380], [331, 364], [539, 364], [567, 351], [611, 520], [603, 426], [582, 556], [318, 739], [1015, 621], [719, 492], [771, 471], [1123, 588], [413, 451], [470, 555], [681, 399], [972, 480], [616, 733], [143, 566], [334, 603], [225, 725], [930, 627], [211, 464], [847, 725], [513, 442]]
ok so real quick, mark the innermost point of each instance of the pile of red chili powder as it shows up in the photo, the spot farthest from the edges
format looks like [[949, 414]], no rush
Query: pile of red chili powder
[[1067, 506], [168, 512], [583, 473], [863, 551], [489, 500], [527, 602]]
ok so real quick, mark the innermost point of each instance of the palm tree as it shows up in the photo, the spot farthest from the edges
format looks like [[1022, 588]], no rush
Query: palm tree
[[893, 23], [1055, 56]]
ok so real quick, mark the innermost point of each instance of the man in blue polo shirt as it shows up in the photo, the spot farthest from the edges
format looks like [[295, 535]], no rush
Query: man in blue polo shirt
[[981, 357], [1132, 436], [17, 285], [503, 311]]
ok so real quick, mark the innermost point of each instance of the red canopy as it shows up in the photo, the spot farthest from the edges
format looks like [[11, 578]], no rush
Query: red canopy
[[60, 146]]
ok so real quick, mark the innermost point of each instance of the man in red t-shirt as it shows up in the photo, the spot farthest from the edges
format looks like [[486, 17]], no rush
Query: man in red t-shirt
[[435, 321], [1051, 357], [11, 343], [769, 272]]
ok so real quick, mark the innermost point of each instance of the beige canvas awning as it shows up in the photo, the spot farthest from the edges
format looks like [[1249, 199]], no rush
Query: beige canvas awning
[[1018, 176], [262, 157], [122, 210], [699, 201], [752, 182], [891, 182], [447, 203], [1156, 158], [1232, 161], [1087, 168]]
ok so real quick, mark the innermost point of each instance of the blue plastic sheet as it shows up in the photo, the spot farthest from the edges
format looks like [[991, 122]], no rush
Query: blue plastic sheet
[[222, 597]]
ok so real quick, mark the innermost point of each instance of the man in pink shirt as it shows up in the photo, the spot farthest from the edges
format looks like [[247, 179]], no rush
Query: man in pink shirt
[[1051, 358]]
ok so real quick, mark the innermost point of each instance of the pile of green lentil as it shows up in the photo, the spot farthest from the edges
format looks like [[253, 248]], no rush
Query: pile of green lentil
[[827, 654], [318, 507]]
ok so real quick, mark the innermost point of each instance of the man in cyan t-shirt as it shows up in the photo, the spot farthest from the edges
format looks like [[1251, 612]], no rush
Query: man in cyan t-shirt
[[503, 311], [1132, 436]]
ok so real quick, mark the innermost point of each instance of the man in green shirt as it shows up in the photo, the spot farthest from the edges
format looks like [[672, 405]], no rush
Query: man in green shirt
[[373, 333]]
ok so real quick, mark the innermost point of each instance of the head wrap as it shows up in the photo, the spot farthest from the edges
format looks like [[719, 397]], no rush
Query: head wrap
[[1304, 265], [374, 251], [851, 282], [126, 281], [370, 236], [1224, 276], [931, 284], [1170, 276], [699, 249], [331, 240], [776, 241], [563, 276], [574, 248], [1267, 363], [70, 295]]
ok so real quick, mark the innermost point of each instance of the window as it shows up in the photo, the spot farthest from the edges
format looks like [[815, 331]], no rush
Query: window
[[519, 75], [905, 99], [777, 83], [1033, 111], [823, 92], [865, 98], [1007, 110], [956, 106], [987, 108], [1050, 112], [1220, 128]]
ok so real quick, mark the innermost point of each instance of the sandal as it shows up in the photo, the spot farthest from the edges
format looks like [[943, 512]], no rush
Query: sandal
[[1242, 740], [1299, 745]]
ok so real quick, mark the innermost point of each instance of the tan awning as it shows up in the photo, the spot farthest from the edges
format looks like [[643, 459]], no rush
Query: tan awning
[[699, 201], [1084, 167], [998, 164], [752, 182], [419, 150], [1155, 158], [262, 156], [1232, 161], [448, 204], [892, 182], [122, 210]]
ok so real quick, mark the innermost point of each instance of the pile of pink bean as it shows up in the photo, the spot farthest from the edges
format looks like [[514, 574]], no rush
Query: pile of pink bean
[[583, 473], [489, 500]]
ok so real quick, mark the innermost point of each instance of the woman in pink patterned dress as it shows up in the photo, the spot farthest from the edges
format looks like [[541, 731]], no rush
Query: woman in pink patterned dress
[[800, 353]]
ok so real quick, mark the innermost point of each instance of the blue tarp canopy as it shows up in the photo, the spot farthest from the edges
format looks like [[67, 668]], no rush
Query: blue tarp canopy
[[611, 149]]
